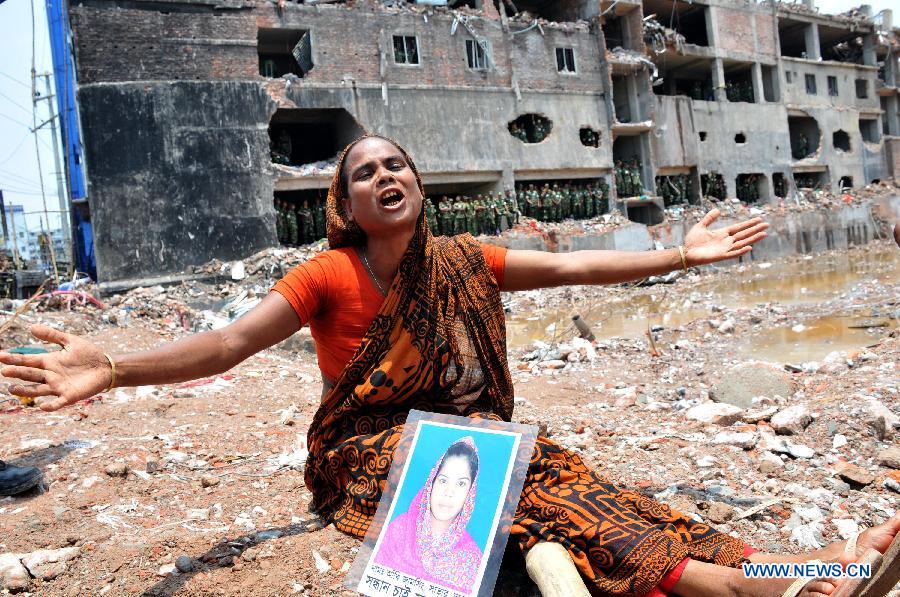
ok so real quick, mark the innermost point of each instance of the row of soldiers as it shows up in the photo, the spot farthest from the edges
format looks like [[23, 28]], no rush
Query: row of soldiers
[[298, 224], [554, 204], [628, 178], [714, 185], [483, 214], [674, 189], [740, 91], [748, 188]]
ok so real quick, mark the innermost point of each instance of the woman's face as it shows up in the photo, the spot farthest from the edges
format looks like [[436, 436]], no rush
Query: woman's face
[[451, 485], [382, 194]]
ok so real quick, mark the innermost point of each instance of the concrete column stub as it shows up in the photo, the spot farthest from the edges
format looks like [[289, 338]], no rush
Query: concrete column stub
[[811, 35], [718, 76], [759, 94]]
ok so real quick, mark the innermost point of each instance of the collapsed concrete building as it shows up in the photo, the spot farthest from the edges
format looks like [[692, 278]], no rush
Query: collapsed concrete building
[[183, 101]]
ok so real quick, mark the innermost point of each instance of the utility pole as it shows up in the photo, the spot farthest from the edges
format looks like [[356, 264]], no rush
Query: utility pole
[[64, 210], [34, 130]]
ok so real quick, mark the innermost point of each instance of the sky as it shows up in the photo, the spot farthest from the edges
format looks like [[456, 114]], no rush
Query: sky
[[19, 178]]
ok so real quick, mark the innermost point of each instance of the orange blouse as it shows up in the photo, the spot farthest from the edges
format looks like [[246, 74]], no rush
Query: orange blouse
[[335, 295]]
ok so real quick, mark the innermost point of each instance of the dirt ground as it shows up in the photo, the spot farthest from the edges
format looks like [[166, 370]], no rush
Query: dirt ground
[[213, 469]]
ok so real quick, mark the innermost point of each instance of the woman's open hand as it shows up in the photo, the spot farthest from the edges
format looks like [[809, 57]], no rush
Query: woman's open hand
[[703, 245], [78, 371]]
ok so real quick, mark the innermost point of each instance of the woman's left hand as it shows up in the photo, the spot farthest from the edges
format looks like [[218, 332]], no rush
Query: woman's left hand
[[703, 245]]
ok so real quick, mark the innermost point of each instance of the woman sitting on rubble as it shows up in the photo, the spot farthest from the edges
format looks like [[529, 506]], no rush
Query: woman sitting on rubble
[[404, 320]]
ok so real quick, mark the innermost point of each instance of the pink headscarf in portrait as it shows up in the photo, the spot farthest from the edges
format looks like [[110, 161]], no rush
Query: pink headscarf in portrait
[[451, 559]]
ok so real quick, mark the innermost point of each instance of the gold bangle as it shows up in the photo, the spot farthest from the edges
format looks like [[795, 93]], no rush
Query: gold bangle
[[681, 253], [112, 378]]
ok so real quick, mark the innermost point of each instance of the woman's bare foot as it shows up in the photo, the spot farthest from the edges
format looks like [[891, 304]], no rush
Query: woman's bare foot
[[878, 538], [700, 579]]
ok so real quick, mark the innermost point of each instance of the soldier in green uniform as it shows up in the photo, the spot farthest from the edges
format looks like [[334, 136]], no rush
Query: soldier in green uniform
[[431, 216], [279, 222], [319, 219], [479, 224], [459, 215], [532, 202], [293, 226], [620, 179], [307, 226], [445, 216], [469, 207], [601, 198], [555, 203]]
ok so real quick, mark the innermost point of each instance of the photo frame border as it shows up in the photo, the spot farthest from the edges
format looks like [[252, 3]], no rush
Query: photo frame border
[[521, 461]]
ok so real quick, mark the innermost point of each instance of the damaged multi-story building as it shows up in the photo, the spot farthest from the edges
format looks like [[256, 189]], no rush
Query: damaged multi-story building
[[185, 103]]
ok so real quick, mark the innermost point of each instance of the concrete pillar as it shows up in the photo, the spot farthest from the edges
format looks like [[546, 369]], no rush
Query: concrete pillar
[[892, 118], [869, 58], [811, 35], [712, 32], [730, 184], [718, 77], [759, 95]]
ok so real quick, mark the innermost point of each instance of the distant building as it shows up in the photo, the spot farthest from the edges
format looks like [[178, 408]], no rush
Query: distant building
[[199, 115]]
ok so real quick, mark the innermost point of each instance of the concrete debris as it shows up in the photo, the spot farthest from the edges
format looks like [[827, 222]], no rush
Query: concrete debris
[[742, 383], [890, 457], [13, 575], [711, 412], [791, 420], [47, 564], [855, 475]]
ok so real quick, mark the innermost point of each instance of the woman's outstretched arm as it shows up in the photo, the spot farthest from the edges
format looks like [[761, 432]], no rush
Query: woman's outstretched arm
[[80, 370], [527, 270]]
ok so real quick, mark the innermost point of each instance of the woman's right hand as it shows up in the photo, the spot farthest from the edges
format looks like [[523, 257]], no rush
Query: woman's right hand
[[78, 371]]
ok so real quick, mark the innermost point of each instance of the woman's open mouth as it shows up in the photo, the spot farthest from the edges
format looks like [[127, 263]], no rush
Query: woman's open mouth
[[391, 199]]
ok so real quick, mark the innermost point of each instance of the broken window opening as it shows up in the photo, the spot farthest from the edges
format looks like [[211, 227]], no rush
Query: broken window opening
[[675, 189], [862, 89], [840, 140], [628, 155], [565, 60], [770, 83], [300, 216], [530, 128], [740, 138], [284, 51], [476, 54], [869, 129], [751, 187], [406, 49], [702, 136], [846, 183], [840, 45], [832, 86], [645, 212], [793, 37], [690, 77], [805, 181], [779, 184], [560, 12], [616, 33], [713, 185], [685, 18], [810, 84], [739, 82], [788, 76], [474, 4], [589, 137], [621, 98], [307, 136], [805, 136]]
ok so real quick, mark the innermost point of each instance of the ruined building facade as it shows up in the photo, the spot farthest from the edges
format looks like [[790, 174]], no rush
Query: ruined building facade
[[183, 101]]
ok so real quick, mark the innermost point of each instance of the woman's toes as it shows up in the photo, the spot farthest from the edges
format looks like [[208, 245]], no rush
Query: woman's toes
[[818, 588]]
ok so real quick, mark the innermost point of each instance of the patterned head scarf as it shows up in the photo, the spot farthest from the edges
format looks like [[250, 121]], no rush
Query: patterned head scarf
[[340, 230], [439, 554]]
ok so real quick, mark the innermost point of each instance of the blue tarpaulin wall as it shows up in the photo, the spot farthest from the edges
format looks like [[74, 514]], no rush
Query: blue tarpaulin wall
[[64, 79]]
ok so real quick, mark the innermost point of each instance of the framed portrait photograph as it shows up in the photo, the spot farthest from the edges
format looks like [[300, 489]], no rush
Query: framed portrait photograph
[[443, 521]]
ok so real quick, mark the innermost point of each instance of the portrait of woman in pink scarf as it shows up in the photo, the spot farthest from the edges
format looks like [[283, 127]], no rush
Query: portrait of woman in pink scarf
[[430, 540]]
